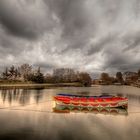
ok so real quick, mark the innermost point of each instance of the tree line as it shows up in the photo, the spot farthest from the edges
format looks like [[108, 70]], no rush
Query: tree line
[[122, 78], [105, 77], [26, 73]]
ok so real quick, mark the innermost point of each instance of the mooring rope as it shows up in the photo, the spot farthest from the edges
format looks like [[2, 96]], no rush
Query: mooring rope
[[50, 100], [41, 111], [134, 112], [134, 105], [9, 107], [31, 110]]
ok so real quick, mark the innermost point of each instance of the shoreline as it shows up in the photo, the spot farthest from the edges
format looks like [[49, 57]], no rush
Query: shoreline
[[45, 85], [36, 86]]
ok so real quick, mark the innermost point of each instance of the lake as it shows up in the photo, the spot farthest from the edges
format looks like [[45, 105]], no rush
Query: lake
[[29, 115]]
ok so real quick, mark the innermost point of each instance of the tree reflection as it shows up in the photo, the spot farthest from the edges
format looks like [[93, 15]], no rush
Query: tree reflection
[[24, 97], [9, 95], [21, 96], [38, 95]]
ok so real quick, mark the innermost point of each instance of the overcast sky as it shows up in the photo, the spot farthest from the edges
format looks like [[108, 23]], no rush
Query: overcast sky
[[87, 35]]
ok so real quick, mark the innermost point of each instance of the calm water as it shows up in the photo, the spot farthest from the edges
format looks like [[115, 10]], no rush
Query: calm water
[[28, 115]]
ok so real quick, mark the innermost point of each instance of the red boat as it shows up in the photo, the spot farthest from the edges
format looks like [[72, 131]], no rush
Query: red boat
[[90, 102]]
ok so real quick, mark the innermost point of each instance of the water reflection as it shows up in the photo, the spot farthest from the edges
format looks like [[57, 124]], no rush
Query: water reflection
[[28, 115], [38, 95], [20, 96], [105, 111], [23, 97]]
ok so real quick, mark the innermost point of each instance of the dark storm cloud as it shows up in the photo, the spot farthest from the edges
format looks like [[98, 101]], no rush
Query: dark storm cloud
[[7, 45], [132, 41], [116, 61], [75, 21], [90, 35], [101, 44], [43, 66], [24, 18]]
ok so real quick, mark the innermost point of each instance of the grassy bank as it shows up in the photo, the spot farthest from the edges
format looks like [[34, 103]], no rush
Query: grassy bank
[[35, 86]]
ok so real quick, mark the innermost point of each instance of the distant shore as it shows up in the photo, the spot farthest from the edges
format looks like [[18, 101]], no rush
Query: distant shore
[[36, 86], [45, 85]]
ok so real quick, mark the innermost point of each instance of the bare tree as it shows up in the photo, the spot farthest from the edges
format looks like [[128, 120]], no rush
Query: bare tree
[[119, 77], [25, 70], [139, 73], [105, 76], [5, 74], [84, 78]]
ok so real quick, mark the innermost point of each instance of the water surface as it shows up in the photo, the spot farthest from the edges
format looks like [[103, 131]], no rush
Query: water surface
[[28, 115]]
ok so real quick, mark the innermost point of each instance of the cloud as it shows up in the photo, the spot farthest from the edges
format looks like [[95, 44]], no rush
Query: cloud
[[91, 35], [132, 41], [25, 18]]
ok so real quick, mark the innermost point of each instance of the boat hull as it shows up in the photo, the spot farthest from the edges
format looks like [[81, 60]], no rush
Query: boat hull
[[120, 104], [91, 102]]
